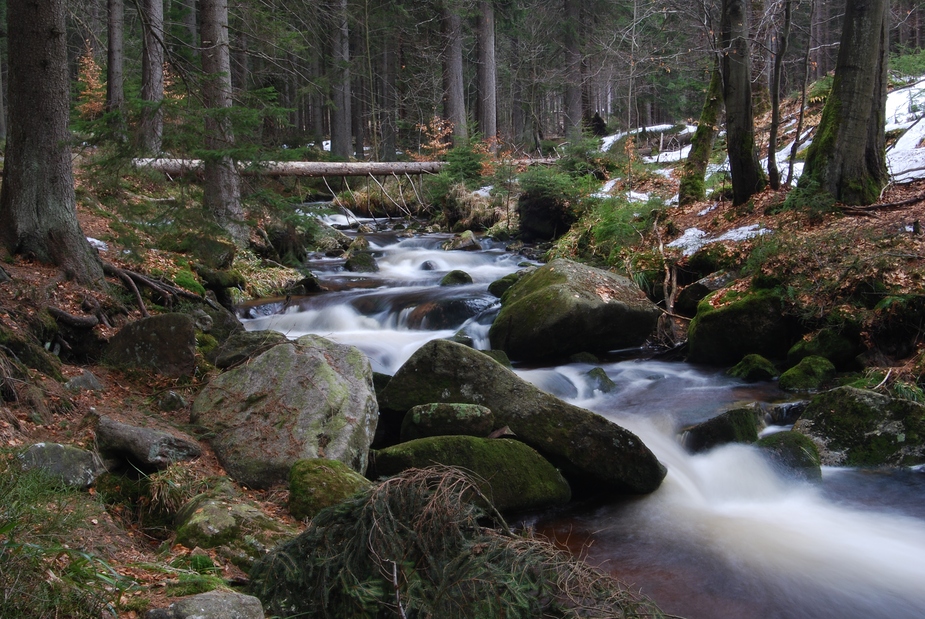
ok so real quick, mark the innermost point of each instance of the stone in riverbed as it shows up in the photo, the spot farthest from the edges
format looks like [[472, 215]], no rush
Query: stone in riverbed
[[565, 307], [593, 453], [442, 419], [512, 475]]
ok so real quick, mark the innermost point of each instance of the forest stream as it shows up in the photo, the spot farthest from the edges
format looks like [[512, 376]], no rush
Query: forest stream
[[725, 536]]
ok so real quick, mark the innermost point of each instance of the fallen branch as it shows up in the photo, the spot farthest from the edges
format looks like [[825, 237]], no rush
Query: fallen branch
[[885, 206]]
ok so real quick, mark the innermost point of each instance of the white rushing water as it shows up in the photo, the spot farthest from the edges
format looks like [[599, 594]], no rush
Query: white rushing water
[[726, 535]]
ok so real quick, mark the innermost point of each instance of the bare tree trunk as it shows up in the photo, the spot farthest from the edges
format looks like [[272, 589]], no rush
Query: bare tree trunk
[[115, 91], [152, 76], [388, 112], [358, 111], [189, 24], [695, 166], [38, 208], [747, 175], [572, 24], [340, 83], [487, 72], [847, 158], [221, 188], [783, 42], [454, 101]]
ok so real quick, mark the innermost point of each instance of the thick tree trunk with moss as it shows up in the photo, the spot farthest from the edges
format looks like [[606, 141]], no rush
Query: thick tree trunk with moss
[[454, 96], [221, 187], [747, 176], [847, 158], [692, 187], [38, 212]]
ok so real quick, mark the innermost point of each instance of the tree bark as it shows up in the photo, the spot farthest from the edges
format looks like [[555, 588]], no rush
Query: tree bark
[[783, 41], [221, 189], [38, 208], [572, 24], [747, 175], [340, 83], [152, 75], [487, 72], [695, 166], [847, 158], [388, 103], [454, 101], [115, 92]]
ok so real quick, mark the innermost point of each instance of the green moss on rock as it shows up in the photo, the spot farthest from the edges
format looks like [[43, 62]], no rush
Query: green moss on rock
[[808, 375], [794, 452], [445, 419], [514, 476], [739, 425], [857, 427], [837, 347], [456, 277], [753, 368], [316, 483]]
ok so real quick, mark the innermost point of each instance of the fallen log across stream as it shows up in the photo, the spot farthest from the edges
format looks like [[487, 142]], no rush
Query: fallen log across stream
[[300, 168], [176, 167]]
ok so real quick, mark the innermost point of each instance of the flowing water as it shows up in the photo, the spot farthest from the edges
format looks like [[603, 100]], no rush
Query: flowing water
[[726, 535]]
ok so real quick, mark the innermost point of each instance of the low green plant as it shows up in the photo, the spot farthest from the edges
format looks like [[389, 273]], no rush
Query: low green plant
[[47, 568]]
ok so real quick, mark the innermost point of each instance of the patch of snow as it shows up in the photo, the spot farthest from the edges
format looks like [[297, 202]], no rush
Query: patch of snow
[[710, 208], [695, 238], [606, 189], [905, 105], [666, 172], [609, 140], [100, 245], [674, 155], [635, 196], [483, 192]]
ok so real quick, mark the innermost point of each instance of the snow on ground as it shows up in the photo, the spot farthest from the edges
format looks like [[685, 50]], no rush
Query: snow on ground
[[100, 245], [483, 192], [669, 156], [605, 191], [695, 238]]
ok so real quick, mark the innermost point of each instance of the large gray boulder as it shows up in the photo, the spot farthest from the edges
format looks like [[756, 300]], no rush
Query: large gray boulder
[[857, 427], [512, 475], [164, 343], [211, 605], [146, 448], [591, 451], [70, 465], [309, 398], [565, 307]]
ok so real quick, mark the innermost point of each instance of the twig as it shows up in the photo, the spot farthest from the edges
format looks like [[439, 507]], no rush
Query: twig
[[885, 378], [401, 610]]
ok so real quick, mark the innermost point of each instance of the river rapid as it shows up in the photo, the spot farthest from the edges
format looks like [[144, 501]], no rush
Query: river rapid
[[726, 535]]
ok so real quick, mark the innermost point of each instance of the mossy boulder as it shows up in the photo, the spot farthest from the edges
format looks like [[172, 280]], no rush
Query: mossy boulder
[[500, 286], [447, 418], [456, 277], [840, 348], [514, 476], [599, 381], [317, 483], [462, 242], [593, 453], [308, 398], [857, 427], [71, 465], [795, 453], [30, 353], [565, 307], [731, 324], [165, 343], [739, 425], [692, 294], [808, 375], [753, 368], [240, 531], [242, 346], [361, 262]]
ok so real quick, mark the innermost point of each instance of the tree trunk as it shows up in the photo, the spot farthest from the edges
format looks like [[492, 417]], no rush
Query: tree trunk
[[340, 83], [695, 166], [572, 24], [846, 158], [358, 106], [221, 188], [783, 42], [115, 91], [747, 175], [487, 72], [454, 100], [152, 76], [388, 103], [38, 208], [189, 24]]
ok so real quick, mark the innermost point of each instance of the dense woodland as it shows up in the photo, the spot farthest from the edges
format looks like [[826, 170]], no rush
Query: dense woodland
[[368, 74]]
